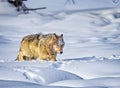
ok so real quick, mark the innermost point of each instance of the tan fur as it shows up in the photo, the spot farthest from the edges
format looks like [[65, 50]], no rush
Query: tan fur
[[39, 46]]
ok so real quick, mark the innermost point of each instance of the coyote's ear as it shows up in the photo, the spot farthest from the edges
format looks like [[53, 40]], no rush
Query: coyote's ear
[[61, 35]]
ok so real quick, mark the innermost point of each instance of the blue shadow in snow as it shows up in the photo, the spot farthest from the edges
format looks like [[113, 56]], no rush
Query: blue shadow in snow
[[3, 40]]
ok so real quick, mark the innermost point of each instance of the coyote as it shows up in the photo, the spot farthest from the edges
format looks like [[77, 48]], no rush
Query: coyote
[[41, 46]]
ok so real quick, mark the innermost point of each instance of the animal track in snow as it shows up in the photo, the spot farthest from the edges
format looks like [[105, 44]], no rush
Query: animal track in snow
[[32, 75]]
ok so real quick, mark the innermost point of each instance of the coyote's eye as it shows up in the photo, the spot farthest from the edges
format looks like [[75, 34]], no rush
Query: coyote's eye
[[61, 42]]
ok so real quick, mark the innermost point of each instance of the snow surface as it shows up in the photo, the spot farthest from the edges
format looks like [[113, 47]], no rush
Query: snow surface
[[91, 57]]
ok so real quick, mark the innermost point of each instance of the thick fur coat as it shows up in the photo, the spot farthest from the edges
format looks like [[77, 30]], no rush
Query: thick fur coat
[[39, 46]]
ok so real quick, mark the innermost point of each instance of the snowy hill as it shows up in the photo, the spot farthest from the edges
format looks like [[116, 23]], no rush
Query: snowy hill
[[91, 57]]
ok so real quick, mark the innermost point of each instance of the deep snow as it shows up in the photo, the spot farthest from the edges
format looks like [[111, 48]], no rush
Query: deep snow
[[91, 57]]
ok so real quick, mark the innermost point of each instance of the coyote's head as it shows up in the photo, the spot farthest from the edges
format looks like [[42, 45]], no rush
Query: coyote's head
[[59, 44]]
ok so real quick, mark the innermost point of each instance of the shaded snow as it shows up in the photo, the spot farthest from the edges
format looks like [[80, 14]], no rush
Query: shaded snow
[[20, 84], [72, 73], [107, 82]]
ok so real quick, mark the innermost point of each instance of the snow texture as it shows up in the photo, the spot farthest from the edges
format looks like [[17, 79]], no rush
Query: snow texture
[[91, 57]]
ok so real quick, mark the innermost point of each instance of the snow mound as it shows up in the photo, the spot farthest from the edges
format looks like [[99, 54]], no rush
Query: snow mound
[[30, 73], [21, 84], [46, 75], [93, 69], [115, 57], [107, 82]]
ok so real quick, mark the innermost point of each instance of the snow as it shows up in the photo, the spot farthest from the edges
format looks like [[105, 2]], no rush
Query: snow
[[91, 83], [91, 56]]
